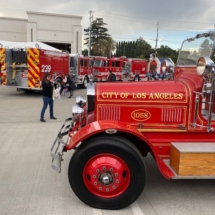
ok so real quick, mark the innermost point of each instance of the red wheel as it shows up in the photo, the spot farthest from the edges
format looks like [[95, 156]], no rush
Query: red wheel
[[106, 175], [107, 172]]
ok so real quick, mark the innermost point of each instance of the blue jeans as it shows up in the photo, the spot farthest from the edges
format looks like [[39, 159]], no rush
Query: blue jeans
[[47, 101]]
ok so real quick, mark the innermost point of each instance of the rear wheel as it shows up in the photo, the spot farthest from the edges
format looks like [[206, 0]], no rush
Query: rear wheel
[[107, 173]]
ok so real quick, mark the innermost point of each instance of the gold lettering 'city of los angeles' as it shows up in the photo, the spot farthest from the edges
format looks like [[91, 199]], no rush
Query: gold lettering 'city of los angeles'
[[141, 95]]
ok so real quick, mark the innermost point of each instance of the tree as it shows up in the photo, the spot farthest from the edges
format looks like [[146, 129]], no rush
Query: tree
[[85, 52], [104, 47], [99, 36], [144, 49], [165, 51]]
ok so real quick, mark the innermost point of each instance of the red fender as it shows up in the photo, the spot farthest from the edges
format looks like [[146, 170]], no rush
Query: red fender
[[98, 127]]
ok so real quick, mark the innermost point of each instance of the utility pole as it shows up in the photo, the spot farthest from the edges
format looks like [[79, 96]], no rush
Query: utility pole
[[90, 29], [156, 39]]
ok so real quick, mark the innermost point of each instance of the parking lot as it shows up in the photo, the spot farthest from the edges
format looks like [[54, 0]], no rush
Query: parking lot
[[28, 184]]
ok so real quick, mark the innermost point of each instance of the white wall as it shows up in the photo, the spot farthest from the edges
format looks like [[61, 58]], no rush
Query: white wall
[[12, 29], [55, 28], [44, 27]]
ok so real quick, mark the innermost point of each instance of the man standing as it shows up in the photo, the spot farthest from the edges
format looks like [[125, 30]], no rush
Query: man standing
[[71, 85], [111, 77]]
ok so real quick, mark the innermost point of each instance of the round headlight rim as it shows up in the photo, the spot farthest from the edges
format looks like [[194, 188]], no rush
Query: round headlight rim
[[204, 70]]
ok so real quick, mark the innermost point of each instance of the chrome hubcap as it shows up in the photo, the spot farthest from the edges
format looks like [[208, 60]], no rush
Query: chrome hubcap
[[106, 178]]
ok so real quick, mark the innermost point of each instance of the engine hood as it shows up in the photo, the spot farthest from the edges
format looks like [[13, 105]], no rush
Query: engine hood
[[142, 92]]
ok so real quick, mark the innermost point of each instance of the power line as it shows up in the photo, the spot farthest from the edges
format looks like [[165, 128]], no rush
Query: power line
[[135, 17]]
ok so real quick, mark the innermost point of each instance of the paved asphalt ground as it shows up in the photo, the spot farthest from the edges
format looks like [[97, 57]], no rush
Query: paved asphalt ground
[[28, 185]]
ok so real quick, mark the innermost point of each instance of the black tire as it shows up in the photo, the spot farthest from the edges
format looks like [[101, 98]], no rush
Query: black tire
[[85, 82], [103, 146]]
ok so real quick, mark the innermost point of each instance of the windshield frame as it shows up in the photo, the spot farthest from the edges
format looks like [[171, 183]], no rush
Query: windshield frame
[[98, 63], [195, 55]]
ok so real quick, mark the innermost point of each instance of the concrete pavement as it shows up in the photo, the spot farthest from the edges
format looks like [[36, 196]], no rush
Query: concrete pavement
[[28, 185]]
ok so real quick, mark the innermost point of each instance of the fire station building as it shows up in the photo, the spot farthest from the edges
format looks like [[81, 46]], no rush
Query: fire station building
[[60, 31]]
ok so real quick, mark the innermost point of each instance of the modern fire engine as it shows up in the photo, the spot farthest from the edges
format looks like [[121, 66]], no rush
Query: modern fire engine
[[134, 69], [102, 65], [81, 68], [3, 46], [120, 123], [26, 63]]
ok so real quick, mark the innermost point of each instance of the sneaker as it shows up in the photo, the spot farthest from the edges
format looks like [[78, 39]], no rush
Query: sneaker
[[53, 117], [42, 120], [70, 97]]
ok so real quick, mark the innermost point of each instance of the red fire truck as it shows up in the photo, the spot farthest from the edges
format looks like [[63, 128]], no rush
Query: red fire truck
[[118, 124], [134, 69], [81, 67], [26, 63], [3, 45], [101, 66]]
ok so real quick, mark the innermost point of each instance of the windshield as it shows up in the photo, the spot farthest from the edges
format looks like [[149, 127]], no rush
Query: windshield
[[98, 63], [193, 49]]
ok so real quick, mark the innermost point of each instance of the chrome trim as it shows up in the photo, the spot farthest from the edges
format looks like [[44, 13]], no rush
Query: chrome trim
[[76, 109], [80, 101], [91, 89], [196, 108], [59, 144], [206, 68]]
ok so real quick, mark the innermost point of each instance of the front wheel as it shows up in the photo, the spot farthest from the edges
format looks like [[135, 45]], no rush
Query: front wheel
[[85, 82], [107, 173]]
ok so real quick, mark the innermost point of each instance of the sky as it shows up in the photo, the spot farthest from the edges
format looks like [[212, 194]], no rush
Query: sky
[[170, 21]]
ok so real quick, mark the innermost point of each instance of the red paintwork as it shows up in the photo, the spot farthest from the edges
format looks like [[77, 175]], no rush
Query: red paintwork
[[84, 67], [157, 112], [58, 61], [98, 127], [134, 67], [110, 164], [101, 72]]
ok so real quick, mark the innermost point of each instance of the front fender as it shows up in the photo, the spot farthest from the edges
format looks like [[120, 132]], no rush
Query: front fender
[[99, 127]]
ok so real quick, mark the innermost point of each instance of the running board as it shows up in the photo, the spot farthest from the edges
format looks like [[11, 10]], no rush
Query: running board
[[192, 160], [167, 163]]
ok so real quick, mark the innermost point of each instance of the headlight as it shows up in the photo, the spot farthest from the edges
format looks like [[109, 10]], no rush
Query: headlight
[[76, 109], [204, 66]]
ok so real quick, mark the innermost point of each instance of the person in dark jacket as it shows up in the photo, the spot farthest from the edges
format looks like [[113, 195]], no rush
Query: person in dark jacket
[[48, 88], [71, 85], [111, 77]]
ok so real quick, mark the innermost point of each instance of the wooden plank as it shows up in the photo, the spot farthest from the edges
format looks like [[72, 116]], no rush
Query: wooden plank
[[174, 158], [197, 171], [197, 159], [193, 159]]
